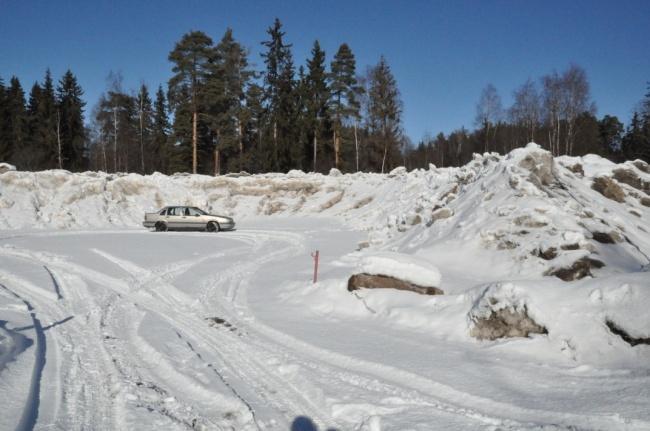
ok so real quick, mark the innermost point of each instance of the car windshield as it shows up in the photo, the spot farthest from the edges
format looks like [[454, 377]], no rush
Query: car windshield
[[194, 211]]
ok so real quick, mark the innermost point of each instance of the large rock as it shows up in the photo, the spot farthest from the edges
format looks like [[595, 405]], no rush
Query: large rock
[[642, 166], [608, 188], [629, 177], [369, 281], [581, 268], [6, 167], [607, 237], [506, 323], [441, 213], [540, 166]]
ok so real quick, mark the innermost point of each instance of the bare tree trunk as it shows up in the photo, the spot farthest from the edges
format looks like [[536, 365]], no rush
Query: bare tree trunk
[[104, 153], [558, 135], [356, 144], [241, 146], [217, 155], [142, 135], [275, 145], [194, 150], [337, 149], [114, 140], [487, 136], [259, 145], [58, 138], [569, 137], [315, 150], [532, 133], [383, 160]]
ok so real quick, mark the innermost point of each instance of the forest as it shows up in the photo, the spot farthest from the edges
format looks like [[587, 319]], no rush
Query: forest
[[218, 115]]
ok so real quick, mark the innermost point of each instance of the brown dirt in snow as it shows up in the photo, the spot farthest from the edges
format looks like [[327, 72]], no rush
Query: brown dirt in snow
[[368, 281]]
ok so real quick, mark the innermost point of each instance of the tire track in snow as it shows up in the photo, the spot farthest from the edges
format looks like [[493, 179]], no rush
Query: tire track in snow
[[428, 388], [237, 358], [224, 380], [57, 289], [88, 404], [238, 275], [30, 412], [454, 400]]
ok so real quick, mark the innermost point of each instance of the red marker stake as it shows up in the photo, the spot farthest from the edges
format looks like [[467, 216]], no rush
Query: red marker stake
[[315, 256]]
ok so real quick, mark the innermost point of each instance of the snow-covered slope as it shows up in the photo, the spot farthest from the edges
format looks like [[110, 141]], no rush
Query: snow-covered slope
[[516, 211], [227, 331]]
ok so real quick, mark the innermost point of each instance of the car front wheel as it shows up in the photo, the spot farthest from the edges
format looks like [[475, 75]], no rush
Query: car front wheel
[[213, 226], [161, 227]]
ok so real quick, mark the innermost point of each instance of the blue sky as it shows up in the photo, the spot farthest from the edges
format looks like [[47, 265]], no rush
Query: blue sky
[[442, 53]]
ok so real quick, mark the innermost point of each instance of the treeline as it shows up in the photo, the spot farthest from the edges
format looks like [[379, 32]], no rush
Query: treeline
[[556, 112], [217, 114], [46, 132], [227, 117]]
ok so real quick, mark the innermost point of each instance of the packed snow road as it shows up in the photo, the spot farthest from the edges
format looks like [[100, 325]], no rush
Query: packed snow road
[[130, 329]]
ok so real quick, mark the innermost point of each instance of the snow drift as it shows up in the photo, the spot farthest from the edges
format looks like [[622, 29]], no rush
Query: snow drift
[[548, 238]]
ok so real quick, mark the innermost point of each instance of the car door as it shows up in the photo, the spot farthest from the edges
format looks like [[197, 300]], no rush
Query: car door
[[174, 218], [195, 219]]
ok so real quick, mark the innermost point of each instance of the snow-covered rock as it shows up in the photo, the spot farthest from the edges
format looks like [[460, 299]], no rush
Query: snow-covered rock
[[6, 167], [413, 269]]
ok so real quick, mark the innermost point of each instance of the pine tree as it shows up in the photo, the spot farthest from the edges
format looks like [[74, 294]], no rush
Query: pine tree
[[645, 127], [384, 114], [70, 123], [15, 123], [30, 154], [287, 118], [303, 151], [160, 135], [254, 124], [633, 141], [317, 98], [40, 148], [610, 132], [346, 93], [228, 82], [48, 122], [5, 143], [279, 99], [191, 57], [145, 129]]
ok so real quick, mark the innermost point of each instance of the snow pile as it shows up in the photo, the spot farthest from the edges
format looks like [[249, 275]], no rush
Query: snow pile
[[412, 269], [533, 230], [527, 242]]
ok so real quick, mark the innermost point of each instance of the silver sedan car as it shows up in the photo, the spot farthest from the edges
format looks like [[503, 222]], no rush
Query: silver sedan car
[[186, 218]]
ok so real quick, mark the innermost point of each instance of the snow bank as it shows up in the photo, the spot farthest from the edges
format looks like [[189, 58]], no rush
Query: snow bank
[[408, 268], [525, 216]]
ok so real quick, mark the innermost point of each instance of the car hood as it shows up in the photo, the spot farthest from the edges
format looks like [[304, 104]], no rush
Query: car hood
[[221, 216]]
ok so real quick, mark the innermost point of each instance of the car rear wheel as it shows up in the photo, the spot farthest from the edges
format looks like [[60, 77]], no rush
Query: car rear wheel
[[212, 226], [161, 227]]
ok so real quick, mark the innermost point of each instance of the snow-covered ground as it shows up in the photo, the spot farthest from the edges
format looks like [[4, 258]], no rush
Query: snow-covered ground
[[105, 325]]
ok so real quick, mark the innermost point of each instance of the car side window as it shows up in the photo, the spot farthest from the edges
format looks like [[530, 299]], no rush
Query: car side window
[[193, 212], [163, 211], [174, 211]]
